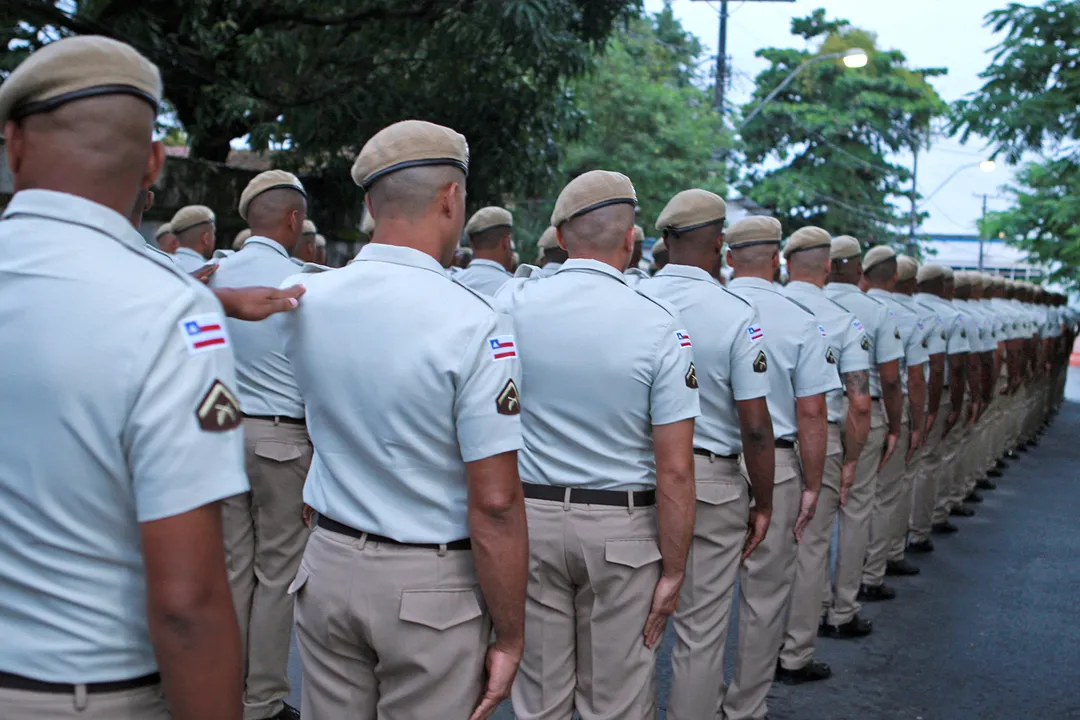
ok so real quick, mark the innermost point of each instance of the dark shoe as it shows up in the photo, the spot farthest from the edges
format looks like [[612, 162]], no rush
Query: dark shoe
[[924, 546], [973, 497], [900, 568], [287, 713], [856, 627], [810, 672], [876, 593], [994, 473], [986, 483], [1002, 465], [945, 528], [1011, 455], [1022, 447], [1033, 442], [961, 511]]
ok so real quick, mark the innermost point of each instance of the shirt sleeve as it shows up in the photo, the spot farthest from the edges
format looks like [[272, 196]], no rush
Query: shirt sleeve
[[887, 346], [183, 436], [854, 353], [750, 342], [914, 351], [813, 373], [959, 342], [487, 409], [673, 395], [936, 338]]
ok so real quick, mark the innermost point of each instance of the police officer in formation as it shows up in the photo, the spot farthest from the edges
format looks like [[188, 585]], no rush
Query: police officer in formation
[[515, 482]]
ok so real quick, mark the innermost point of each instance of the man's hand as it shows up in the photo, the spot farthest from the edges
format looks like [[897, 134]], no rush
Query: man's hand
[[306, 514], [890, 447], [931, 418], [665, 598], [203, 274], [258, 303], [847, 479], [502, 667], [755, 532], [916, 443], [807, 506]]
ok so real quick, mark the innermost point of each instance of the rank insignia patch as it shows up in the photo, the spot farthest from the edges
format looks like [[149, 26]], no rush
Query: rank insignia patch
[[219, 410], [691, 378], [508, 402], [896, 333], [865, 344], [761, 364], [830, 356]]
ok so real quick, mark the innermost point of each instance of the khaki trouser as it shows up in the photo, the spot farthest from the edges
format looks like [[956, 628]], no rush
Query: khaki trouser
[[702, 619], [146, 703], [889, 495], [950, 478], [812, 564], [592, 573], [264, 538], [925, 487], [388, 631], [854, 524], [765, 586]]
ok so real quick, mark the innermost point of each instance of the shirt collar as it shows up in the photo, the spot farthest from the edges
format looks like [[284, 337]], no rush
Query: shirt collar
[[585, 265], [399, 255], [484, 262], [751, 282], [267, 242], [839, 287], [689, 272], [805, 287], [878, 292], [77, 211], [188, 251]]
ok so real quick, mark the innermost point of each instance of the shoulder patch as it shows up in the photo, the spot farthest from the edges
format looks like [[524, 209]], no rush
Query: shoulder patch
[[761, 363], [508, 401], [896, 333], [219, 410], [203, 333], [502, 347], [821, 330], [314, 268], [684, 338], [830, 356], [755, 332], [865, 344], [691, 378], [858, 325]]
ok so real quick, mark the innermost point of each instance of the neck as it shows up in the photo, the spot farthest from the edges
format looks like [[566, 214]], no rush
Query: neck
[[121, 200], [615, 258], [814, 280], [284, 238], [701, 260], [879, 286], [418, 235], [762, 273]]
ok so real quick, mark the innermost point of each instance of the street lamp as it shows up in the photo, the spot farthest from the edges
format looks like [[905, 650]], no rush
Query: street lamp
[[987, 166], [853, 58]]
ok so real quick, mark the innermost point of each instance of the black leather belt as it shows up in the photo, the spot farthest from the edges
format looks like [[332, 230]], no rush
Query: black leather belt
[[784, 444], [710, 454], [10, 681], [334, 526], [585, 496], [277, 419]]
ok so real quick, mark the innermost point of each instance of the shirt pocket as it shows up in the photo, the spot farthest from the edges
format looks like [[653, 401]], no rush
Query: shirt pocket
[[439, 609], [715, 492], [632, 552], [277, 450]]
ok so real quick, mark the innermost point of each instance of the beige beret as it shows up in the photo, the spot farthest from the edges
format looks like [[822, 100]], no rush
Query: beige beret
[[754, 230], [845, 247], [548, 240], [906, 268], [309, 227], [191, 216], [163, 229], [999, 281], [488, 218], [658, 247], [962, 279], [807, 238], [266, 181], [73, 69], [320, 241], [408, 144], [690, 210], [592, 191], [241, 238], [367, 222], [877, 255], [639, 234], [929, 272]]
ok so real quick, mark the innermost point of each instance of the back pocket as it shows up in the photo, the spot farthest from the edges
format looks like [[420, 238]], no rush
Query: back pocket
[[439, 609]]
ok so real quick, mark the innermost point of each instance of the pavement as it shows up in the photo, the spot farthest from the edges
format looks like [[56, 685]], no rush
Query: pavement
[[989, 630]]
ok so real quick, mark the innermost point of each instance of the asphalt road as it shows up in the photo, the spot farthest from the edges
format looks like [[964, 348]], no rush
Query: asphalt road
[[989, 630]]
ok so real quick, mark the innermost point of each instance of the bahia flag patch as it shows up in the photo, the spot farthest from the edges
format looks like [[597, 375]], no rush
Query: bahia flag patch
[[502, 347], [857, 325], [755, 333], [684, 338], [203, 333]]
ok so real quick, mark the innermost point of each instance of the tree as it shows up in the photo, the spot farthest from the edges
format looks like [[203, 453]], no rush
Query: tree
[[820, 152], [314, 79]]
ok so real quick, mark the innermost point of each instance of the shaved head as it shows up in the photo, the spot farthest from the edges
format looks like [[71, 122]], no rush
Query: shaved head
[[846, 270], [408, 194], [882, 273], [279, 215], [420, 207], [809, 265], [755, 256], [601, 230]]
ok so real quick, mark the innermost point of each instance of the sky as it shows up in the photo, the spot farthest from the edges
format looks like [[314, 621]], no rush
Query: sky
[[931, 33]]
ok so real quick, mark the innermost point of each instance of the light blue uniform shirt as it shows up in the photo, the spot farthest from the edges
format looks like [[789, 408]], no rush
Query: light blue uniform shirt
[[403, 373], [797, 364], [727, 338], [950, 329], [911, 334], [549, 269], [847, 349], [880, 328], [484, 276], [265, 381], [188, 260], [601, 365], [102, 389]]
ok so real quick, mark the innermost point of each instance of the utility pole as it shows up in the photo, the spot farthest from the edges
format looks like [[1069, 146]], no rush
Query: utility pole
[[982, 231], [721, 52], [911, 244]]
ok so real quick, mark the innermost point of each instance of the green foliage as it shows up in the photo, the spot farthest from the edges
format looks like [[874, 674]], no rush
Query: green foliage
[[1031, 91], [820, 151]]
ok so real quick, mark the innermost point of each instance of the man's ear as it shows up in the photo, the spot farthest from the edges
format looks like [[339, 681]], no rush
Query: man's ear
[[628, 241], [559, 237], [15, 141], [154, 162], [727, 258]]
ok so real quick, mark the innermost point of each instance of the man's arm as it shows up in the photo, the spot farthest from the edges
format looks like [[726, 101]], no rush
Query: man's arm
[[988, 377], [675, 503], [857, 387], [957, 384], [892, 395], [917, 407], [755, 425], [813, 425], [500, 546], [934, 391], [974, 382], [191, 616], [257, 303]]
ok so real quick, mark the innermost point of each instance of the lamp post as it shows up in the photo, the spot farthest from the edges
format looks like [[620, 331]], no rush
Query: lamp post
[[987, 166], [853, 58]]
